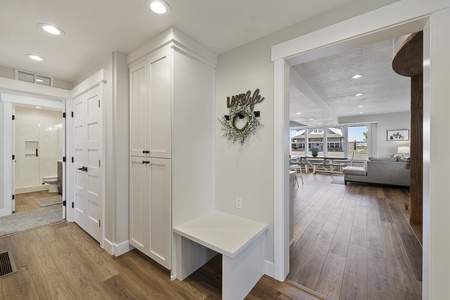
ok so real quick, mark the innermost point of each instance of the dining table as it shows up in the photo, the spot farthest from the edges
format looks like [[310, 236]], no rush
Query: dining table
[[328, 164]]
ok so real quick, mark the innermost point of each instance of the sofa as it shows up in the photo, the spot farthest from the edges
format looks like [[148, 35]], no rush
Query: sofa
[[389, 171]]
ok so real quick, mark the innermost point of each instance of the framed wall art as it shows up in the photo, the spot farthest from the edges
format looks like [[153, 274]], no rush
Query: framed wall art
[[398, 135]]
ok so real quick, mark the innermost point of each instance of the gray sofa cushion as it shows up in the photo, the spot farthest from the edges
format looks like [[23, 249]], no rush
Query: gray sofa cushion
[[382, 172], [383, 158], [355, 171]]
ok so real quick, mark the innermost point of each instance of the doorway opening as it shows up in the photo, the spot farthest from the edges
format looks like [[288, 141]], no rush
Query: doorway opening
[[282, 71], [37, 143]]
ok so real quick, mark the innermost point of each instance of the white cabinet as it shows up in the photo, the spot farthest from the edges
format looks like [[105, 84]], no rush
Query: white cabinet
[[150, 151], [171, 85], [151, 106], [150, 207]]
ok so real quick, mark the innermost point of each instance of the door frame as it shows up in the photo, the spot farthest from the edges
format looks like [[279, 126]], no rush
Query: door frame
[[9, 100], [393, 20]]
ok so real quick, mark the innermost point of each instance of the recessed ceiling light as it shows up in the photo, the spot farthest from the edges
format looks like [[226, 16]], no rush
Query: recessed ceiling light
[[299, 113], [357, 76], [361, 112], [311, 119], [35, 57], [158, 7], [358, 95], [51, 29], [360, 105]]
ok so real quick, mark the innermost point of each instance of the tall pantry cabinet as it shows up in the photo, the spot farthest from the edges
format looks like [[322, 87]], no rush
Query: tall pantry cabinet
[[167, 78]]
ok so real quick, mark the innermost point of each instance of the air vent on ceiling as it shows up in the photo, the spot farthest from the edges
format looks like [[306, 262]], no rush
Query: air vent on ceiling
[[34, 78], [7, 265]]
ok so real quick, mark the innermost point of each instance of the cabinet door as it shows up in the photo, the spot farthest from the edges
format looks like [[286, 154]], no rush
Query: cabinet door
[[150, 208], [160, 104], [160, 211], [139, 110], [139, 197]]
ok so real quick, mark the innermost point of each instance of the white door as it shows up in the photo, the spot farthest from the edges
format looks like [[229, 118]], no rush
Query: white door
[[87, 165]]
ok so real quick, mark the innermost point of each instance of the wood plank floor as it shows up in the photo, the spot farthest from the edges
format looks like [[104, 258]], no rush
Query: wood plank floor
[[26, 201], [61, 261], [354, 241]]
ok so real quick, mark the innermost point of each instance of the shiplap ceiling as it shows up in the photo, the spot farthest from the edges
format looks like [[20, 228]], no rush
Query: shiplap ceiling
[[383, 90]]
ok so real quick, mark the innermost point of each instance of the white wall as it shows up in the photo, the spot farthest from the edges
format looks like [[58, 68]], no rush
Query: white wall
[[45, 127], [247, 170], [192, 138], [384, 122], [436, 163], [2, 153]]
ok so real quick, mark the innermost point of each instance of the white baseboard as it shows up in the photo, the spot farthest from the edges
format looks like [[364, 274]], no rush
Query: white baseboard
[[117, 249], [30, 189], [122, 248], [108, 246], [269, 268], [2, 212]]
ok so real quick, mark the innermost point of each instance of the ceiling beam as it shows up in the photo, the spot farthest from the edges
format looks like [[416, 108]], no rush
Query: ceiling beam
[[300, 84]]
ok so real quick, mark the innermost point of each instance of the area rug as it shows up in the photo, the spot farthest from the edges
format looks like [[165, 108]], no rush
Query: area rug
[[30, 219], [47, 201], [338, 180]]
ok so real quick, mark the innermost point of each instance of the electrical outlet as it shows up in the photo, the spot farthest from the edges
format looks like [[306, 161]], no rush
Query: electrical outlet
[[238, 202]]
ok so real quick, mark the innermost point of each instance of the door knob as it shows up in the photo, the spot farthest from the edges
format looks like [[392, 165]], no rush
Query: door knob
[[84, 169]]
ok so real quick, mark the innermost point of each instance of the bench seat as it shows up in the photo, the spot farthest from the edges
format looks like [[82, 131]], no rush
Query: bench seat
[[239, 240]]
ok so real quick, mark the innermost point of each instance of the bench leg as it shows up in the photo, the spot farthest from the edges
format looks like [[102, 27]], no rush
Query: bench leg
[[242, 272]]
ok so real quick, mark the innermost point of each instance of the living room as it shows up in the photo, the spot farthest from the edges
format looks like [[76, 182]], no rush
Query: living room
[[326, 227]]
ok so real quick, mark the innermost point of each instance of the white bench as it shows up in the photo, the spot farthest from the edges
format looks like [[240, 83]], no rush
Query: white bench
[[239, 240]]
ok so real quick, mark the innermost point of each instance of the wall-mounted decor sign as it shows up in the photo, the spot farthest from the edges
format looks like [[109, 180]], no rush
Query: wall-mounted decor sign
[[398, 135], [241, 120]]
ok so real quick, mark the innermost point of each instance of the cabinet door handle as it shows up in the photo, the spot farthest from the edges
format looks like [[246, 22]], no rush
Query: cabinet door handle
[[84, 169], [145, 162], [145, 151]]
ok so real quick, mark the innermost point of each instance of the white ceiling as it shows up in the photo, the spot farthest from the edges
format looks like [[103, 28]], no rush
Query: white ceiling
[[95, 28], [330, 80]]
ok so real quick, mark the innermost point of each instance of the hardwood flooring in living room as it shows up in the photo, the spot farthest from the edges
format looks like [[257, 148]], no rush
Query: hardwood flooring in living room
[[354, 241]]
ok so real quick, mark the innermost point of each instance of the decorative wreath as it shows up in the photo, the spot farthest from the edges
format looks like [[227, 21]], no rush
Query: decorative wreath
[[235, 134]]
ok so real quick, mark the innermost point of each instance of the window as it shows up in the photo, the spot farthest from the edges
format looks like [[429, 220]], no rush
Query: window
[[358, 137]]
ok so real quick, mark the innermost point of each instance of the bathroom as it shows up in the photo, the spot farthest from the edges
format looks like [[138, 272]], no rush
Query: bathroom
[[38, 142]]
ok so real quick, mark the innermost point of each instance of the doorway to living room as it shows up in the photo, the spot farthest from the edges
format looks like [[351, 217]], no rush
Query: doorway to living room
[[282, 77]]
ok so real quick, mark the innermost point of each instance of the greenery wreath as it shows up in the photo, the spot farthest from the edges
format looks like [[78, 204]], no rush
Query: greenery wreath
[[235, 134]]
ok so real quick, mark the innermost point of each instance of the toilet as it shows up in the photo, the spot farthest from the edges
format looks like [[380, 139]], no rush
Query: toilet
[[53, 182]]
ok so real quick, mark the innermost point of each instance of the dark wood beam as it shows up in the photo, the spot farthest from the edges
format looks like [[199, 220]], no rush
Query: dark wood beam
[[408, 61]]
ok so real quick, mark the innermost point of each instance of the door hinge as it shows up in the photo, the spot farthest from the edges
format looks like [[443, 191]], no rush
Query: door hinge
[[13, 197], [73, 204], [99, 223], [64, 159], [64, 203], [71, 113], [72, 159], [99, 164], [64, 115], [99, 103], [13, 157], [13, 117]]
